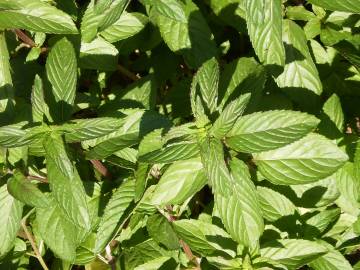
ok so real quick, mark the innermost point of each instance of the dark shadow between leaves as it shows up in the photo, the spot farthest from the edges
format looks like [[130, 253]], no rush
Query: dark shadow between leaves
[[202, 46], [228, 16], [312, 196], [289, 224], [223, 242]]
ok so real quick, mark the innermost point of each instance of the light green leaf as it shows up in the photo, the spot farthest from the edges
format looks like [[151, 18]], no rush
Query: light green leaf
[[128, 25], [235, 194], [98, 54], [293, 253], [299, 13], [179, 182], [158, 264], [333, 260], [36, 15], [90, 22], [318, 223], [192, 37], [205, 238], [171, 9], [86, 129], [6, 89], [310, 195], [15, 135], [300, 70], [349, 186], [114, 215], [112, 13], [332, 108], [11, 213], [65, 183], [61, 70], [26, 192], [207, 79], [58, 233], [180, 143], [274, 205], [264, 22], [39, 107], [241, 211], [262, 131], [228, 116], [136, 125], [341, 5], [310, 159]]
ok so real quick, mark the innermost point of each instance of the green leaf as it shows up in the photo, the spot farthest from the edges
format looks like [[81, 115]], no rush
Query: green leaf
[[160, 263], [332, 108], [112, 13], [264, 23], [228, 116], [235, 194], [98, 54], [61, 70], [114, 215], [87, 129], [36, 15], [12, 136], [162, 232], [300, 70], [15, 135], [349, 186], [23, 190], [340, 5], [6, 89], [320, 222], [90, 22], [128, 25], [207, 79], [242, 205], [307, 160], [39, 107], [171, 9], [65, 183], [136, 125], [58, 233], [180, 143], [243, 75], [205, 238], [332, 260], [192, 37], [11, 213], [274, 205], [299, 13], [262, 131], [179, 182], [293, 253]]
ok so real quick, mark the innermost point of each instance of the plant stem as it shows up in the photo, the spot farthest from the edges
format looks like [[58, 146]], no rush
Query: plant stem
[[101, 168], [32, 242], [187, 250], [27, 40], [128, 73]]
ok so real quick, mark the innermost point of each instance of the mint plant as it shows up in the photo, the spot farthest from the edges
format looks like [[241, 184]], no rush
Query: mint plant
[[179, 134]]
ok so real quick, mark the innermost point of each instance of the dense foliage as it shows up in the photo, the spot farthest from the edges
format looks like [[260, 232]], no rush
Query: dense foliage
[[179, 134]]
